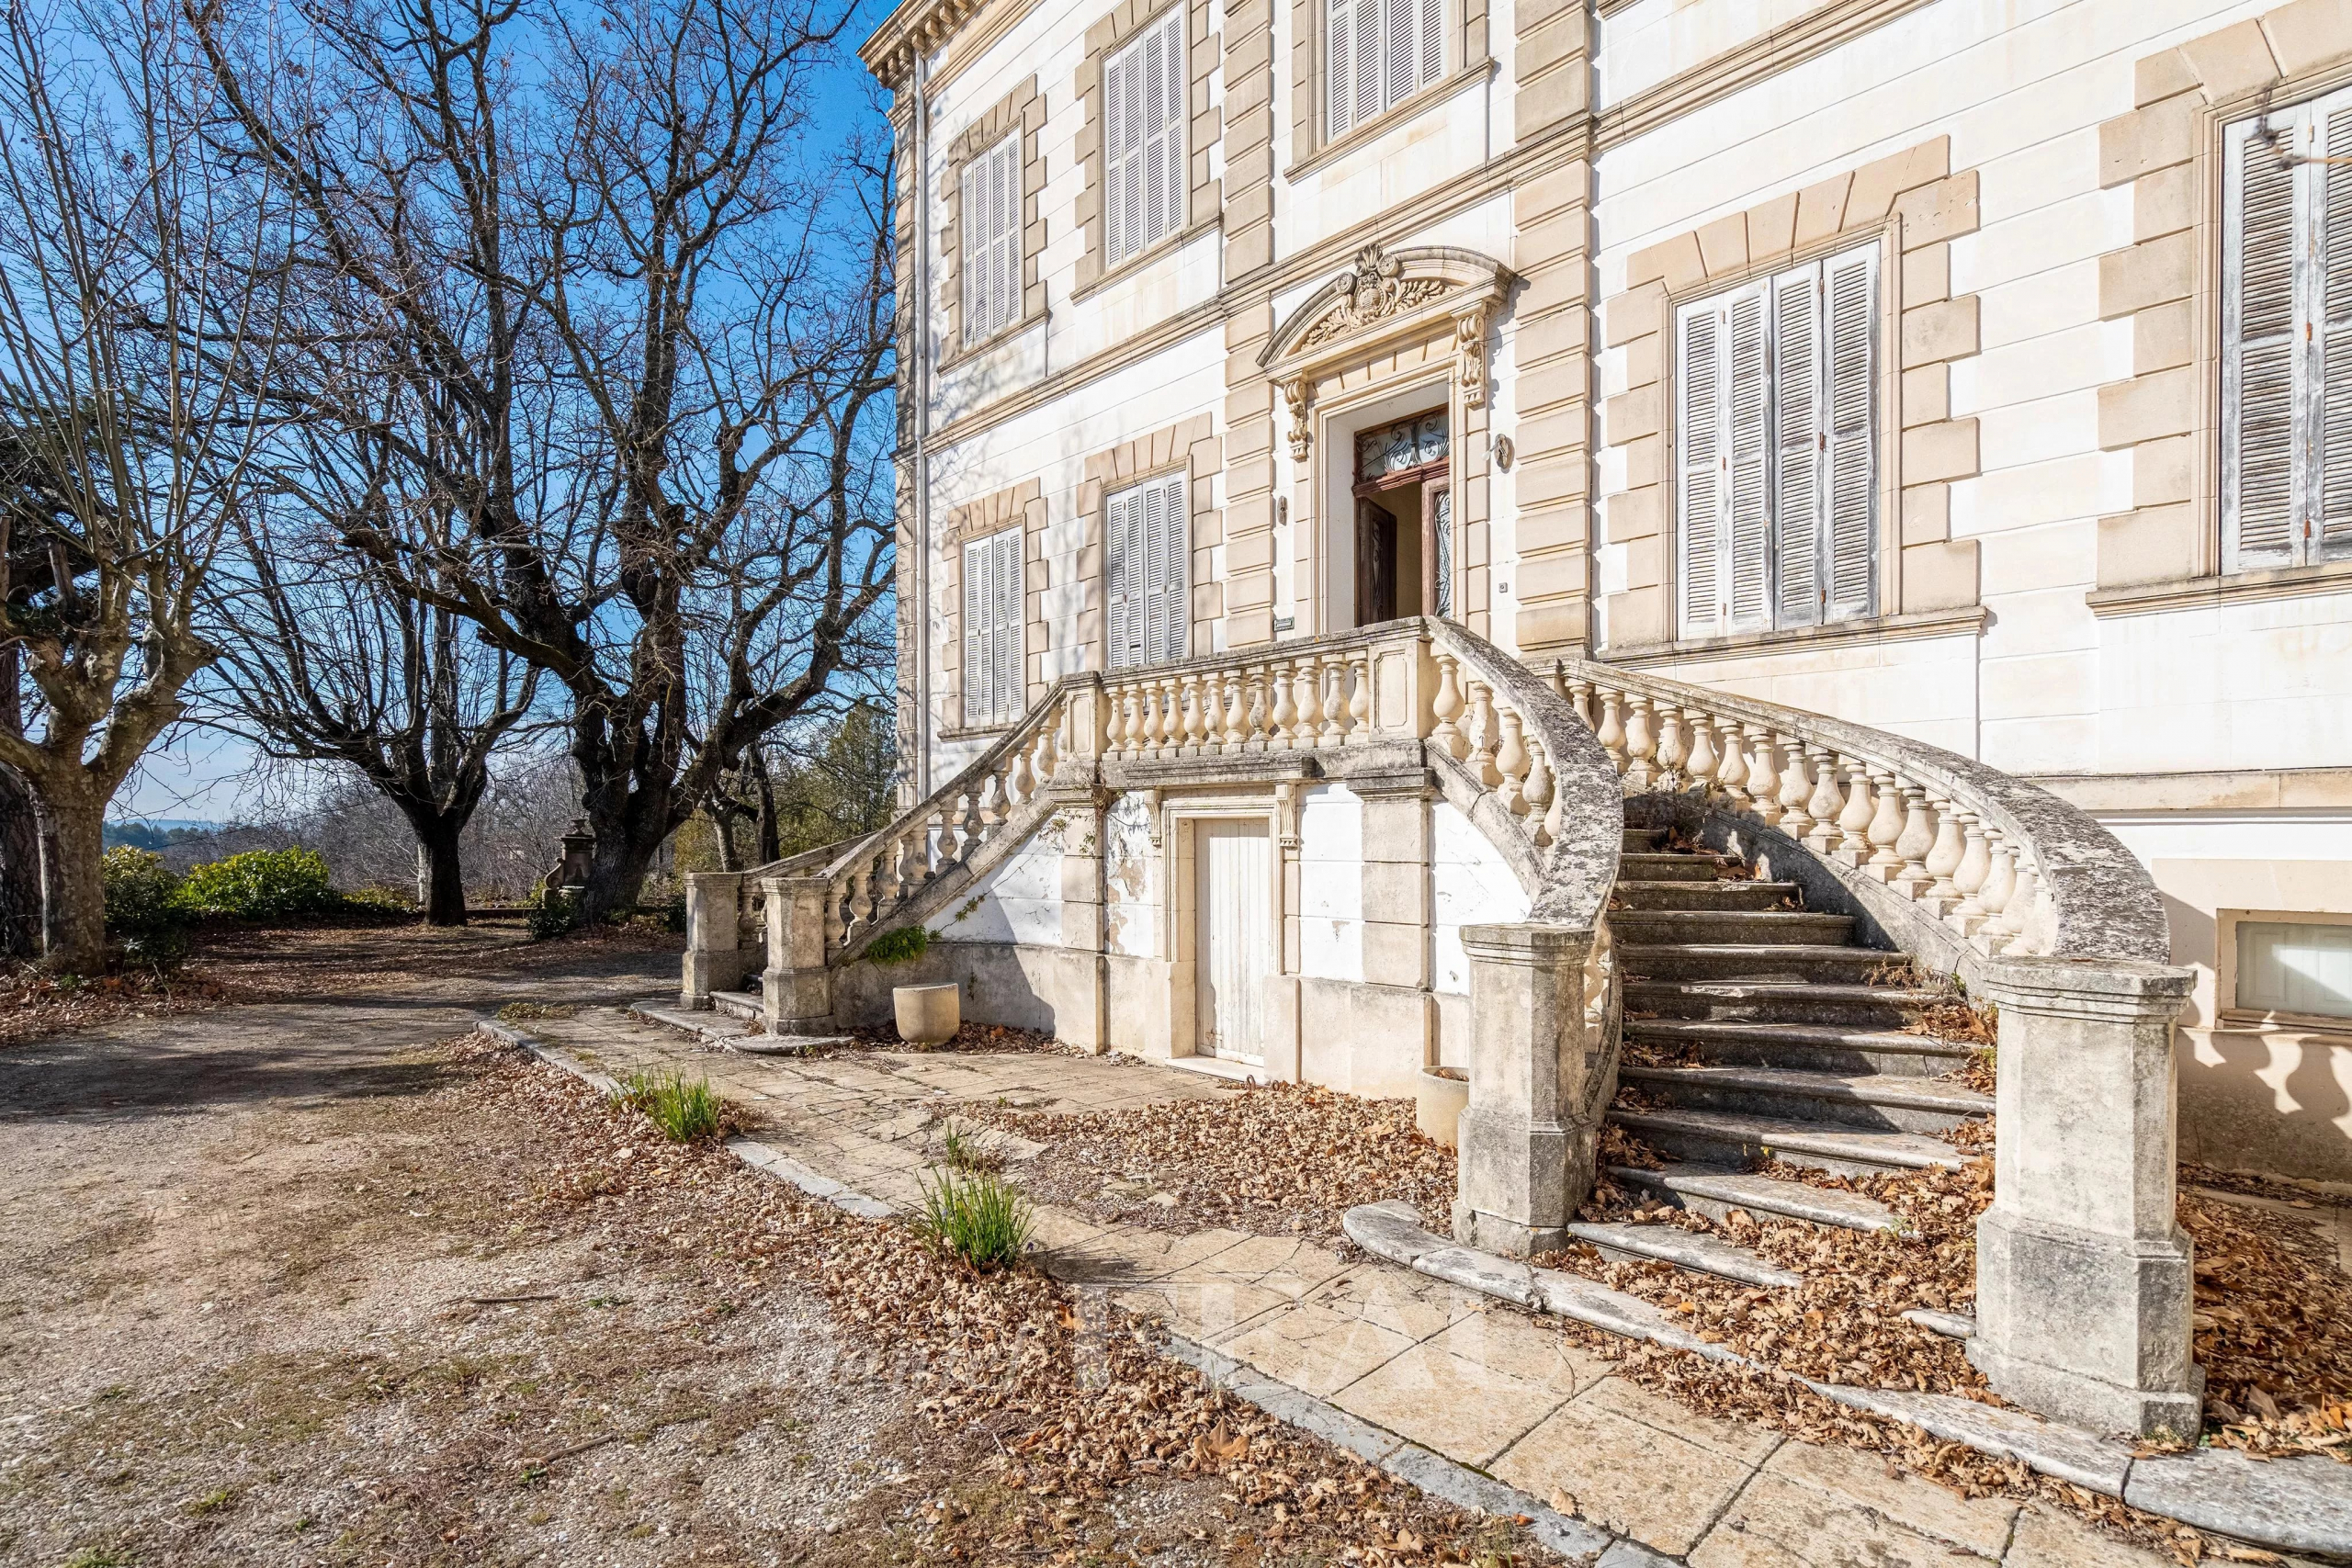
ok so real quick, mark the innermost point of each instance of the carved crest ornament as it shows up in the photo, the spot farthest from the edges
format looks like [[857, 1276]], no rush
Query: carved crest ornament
[[1379, 286]]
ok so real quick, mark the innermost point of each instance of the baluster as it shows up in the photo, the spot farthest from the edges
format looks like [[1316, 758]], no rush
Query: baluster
[[1969, 876], [1854, 822], [1761, 787], [1048, 744], [844, 910], [1559, 679], [1539, 793], [1673, 745], [1731, 774], [1886, 825], [1580, 698], [1942, 895], [1787, 757], [1481, 761], [1166, 734], [1556, 811], [1511, 764], [2016, 911], [1184, 708], [1360, 704], [1704, 765], [1308, 691], [1447, 706], [1022, 782], [1257, 709], [1283, 715], [1641, 743], [1332, 690], [914, 863], [1825, 803], [1205, 729], [1917, 839], [1611, 733], [1237, 712], [1119, 737], [2000, 886], [975, 826]]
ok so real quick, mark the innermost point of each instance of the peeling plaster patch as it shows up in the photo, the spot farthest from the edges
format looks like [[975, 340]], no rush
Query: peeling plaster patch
[[1131, 880]]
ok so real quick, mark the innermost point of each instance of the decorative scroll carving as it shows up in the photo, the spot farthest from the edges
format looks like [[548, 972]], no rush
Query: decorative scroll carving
[[1373, 289], [1298, 393], [1470, 354]]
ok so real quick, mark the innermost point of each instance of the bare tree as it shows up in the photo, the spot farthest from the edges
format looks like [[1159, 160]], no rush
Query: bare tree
[[137, 305], [654, 337]]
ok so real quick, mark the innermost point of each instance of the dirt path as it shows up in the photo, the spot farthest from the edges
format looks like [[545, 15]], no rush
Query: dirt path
[[334, 1282]]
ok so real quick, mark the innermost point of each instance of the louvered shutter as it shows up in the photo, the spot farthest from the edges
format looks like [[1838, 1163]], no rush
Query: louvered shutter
[[975, 665], [1747, 515], [2332, 538], [2259, 374], [1850, 380], [1011, 692], [1400, 33], [1432, 41], [1367, 62], [1006, 177], [1339, 62], [1119, 595], [1700, 421], [1143, 140], [1796, 447]]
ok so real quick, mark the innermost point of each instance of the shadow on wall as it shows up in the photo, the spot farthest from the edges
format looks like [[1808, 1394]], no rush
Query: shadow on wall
[[2266, 1098]]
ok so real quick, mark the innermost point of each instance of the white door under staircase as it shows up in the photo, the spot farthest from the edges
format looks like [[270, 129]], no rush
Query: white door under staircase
[[1235, 944]]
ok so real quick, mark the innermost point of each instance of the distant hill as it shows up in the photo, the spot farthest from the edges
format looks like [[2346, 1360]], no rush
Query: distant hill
[[158, 832]]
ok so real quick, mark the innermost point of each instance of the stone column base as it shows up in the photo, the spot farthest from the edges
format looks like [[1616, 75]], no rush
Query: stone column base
[[2048, 1295], [1521, 1181], [798, 1002]]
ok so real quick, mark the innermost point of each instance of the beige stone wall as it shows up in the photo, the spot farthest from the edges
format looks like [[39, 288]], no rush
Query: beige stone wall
[[1200, 60], [1022, 506], [1913, 205], [1192, 444], [1023, 110], [1247, 523], [2167, 281]]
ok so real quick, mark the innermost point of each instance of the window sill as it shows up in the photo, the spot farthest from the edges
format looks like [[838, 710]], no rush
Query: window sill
[[2197, 592], [1969, 619], [1167, 245], [2245, 1020], [1429, 97], [997, 339]]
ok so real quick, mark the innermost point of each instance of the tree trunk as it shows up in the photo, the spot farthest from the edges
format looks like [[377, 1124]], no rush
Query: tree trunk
[[22, 870], [437, 840], [78, 931]]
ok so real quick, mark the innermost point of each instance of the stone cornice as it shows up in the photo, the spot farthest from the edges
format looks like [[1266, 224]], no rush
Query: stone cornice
[[916, 24]]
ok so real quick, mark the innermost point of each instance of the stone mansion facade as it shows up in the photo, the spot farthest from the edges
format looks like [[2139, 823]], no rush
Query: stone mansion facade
[[1978, 373]]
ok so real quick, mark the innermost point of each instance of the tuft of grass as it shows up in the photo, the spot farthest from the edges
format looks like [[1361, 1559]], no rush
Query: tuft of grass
[[978, 1217], [966, 1153], [212, 1501], [684, 1108], [100, 1557]]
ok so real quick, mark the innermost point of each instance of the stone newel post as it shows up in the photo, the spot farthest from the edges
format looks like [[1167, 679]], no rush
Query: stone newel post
[[714, 932], [796, 989], [1539, 1076], [2083, 1276]]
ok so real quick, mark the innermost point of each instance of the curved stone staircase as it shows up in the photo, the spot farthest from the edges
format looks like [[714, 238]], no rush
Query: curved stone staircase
[[1756, 1029]]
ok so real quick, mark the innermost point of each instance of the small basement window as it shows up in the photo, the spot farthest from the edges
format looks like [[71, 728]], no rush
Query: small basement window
[[2294, 967]]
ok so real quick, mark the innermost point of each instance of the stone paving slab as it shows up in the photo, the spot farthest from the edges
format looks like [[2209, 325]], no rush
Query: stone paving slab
[[1473, 1401]]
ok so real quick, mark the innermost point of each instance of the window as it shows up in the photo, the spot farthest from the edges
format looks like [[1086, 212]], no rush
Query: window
[[1143, 531], [1777, 481], [1377, 54], [2294, 967], [1143, 140], [990, 221], [2287, 338], [994, 690]]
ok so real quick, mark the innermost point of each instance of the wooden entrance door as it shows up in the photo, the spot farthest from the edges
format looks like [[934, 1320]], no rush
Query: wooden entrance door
[[1234, 950]]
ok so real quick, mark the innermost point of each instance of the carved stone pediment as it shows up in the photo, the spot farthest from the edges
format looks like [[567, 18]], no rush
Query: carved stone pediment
[[1384, 295]]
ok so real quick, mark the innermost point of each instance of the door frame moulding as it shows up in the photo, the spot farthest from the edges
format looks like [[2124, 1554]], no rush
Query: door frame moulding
[[1179, 914]]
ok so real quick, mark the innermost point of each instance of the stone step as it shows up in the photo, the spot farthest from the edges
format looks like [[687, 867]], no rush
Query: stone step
[[1789, 962], [1795, 927], [745, 1005], [1715, 1193], [1779, 1002], [1807, 1047], [1878, 1101], [1728, 1138], [1637, 866], [1643, 840], [1685, 1250], [1704, 895]]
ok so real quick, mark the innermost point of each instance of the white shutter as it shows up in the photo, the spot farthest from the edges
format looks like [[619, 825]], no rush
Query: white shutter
[[994, 681], [1174, 521], [1006, 177], [1849, 563], [1700, 421], [1377, 54], [1399, 32], [1147, 538], [1144, 182], [1747, 509], [1797, 446], [990, 221], [1432, 41], [1339, 61], [1012, 685], [976, 670], [2258, 372], [2332, 536], [1367, 62], [1118, 592]]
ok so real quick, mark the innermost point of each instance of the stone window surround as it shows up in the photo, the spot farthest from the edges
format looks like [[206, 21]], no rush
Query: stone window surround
[[2165, 553], [1019, 506], [1193, 445], [2228, 1013], [1020, 112], [1912, 205], [1202, 125], [1310, 149]]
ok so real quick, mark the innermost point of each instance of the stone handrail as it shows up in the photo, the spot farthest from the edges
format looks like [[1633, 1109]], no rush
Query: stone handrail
[[2008, 867]]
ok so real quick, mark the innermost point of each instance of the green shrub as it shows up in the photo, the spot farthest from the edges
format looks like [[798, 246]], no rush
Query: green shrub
[[552, 914], [904, 946], [260, 884], [980, 1217], [141, 892], [683, 1109]]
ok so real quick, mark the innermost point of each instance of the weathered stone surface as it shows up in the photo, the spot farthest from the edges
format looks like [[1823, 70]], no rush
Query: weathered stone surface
[[1956, 1325], [2044, 1446], [1687, 1249], [2288, 1505]]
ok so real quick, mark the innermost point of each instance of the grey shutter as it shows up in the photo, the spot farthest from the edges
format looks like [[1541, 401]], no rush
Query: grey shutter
[[1171, 142], [976, 673], [1011, 684], [1748, 517], [1339, 61], [1153, 175], [1399, 33], [1115, 120], [2332, 537], [1006, 177], [1849, 567], [1797, 448], [1432, 41], [1117, 593], [1367, 62], [1164, 543], [1699, 381], [2258, 372]]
